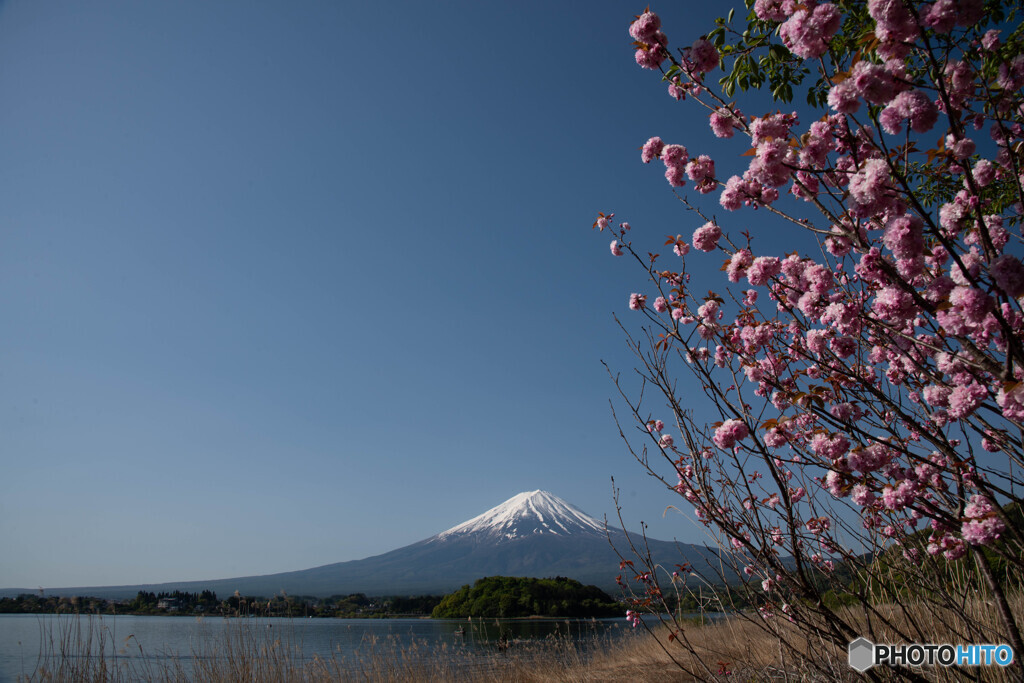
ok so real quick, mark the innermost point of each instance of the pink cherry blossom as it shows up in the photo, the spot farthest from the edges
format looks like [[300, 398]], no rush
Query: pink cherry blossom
[[738, 265], [970, 302], [871, 187], [941, 16], [705, 238], [774, 10], [651, 57], [894, 23], [702, 171], [708, 311], [965, 399], [807, 32], [772, 127], [1011, 74], [729, 433], [873, 82], [984, 172], [652, 148], [704, 55], [723, 123], [894, 305], [674, 155], [960, 149], [904, 236], [675, 176], [981, 525], [772, 164], [862, 495], [1008, 273], [645, 27], [843, 97], [912, 105]]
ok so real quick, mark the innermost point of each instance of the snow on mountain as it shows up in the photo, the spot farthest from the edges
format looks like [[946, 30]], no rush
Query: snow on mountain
[[527, 514]]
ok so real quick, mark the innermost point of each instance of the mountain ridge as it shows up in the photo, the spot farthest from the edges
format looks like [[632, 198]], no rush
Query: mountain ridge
[[535, 534]]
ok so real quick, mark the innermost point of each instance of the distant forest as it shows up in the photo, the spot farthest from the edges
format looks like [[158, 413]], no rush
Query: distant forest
[[178, 603], [496, 596]]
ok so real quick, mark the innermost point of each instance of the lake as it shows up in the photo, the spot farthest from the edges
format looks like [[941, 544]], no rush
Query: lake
[[140, 641]]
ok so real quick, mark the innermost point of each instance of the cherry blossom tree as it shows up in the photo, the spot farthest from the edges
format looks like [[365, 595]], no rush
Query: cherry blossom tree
[[863, 348]]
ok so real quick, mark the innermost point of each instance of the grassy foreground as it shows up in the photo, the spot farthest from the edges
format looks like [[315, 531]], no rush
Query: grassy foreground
[[735, 649], [82, 649], [732, 650]]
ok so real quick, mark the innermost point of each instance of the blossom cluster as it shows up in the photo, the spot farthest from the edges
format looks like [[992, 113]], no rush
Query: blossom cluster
[[650, 41], [909, 324], [679, 165]]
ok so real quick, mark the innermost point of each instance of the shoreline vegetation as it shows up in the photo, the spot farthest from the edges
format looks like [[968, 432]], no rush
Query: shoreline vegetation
[[183, 604], [495, 596]]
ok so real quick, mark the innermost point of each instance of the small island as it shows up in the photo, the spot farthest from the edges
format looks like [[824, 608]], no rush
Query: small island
[[510, 597]]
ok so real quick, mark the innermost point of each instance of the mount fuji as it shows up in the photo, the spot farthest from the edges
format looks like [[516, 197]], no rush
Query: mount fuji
[[523, 516], [531, 534]]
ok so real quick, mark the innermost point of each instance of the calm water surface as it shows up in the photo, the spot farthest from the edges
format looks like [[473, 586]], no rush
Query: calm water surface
[[184, 639]]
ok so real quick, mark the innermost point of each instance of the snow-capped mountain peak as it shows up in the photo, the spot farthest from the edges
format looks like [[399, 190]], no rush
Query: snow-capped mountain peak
[[527, 514]]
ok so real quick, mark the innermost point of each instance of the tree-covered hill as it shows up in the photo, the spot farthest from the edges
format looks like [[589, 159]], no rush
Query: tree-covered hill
[[504, 596]]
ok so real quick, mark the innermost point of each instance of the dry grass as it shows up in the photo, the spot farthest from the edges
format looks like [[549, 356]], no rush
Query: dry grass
[[743, 649], [732, 649], [83, 649], [247, 654]]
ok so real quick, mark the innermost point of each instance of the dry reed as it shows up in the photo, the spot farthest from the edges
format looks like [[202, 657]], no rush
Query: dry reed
[[745, 647], [84, 649], [737, 648]]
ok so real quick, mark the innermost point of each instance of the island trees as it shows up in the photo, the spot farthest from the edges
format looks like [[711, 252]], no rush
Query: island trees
[[863, 346], [509, 597]]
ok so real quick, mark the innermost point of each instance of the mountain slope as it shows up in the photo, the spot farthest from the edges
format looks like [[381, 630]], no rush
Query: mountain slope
[[532, 534]]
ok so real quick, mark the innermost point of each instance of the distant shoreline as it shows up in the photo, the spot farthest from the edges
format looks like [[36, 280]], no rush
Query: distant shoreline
[[178, 615]]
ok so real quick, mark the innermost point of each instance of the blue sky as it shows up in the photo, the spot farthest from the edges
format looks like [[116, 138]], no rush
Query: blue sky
[[287, 284]]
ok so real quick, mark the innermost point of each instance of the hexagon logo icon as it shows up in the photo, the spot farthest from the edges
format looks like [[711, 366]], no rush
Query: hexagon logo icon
[[862, 654]]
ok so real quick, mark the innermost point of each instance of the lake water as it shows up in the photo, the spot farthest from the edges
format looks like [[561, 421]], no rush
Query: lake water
[[161, 641]]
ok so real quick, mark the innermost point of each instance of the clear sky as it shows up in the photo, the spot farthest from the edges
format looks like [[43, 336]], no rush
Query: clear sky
[[291, 283]]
